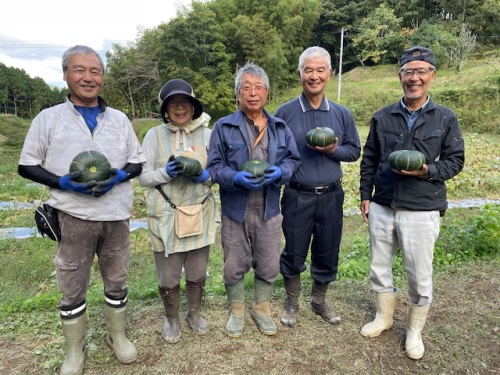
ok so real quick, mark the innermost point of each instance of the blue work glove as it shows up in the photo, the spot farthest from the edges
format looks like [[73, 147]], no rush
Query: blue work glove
[[66, 182], [248, 181], [202, 177], [173, 168], [272, 174], [102, 187]]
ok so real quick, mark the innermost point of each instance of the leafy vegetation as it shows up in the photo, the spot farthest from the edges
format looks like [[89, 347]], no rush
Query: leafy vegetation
[[465, 237], [28, 279], [470, 238], [206, 44]]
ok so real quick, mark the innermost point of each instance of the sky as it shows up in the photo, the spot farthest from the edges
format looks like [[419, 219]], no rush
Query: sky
[[34, 34]]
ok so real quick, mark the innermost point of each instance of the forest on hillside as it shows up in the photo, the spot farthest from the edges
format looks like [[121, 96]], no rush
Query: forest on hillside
[[207, 42]]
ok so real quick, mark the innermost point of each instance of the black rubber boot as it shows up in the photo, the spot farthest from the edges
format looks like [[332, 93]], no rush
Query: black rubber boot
[[292, 288], [319, 305]]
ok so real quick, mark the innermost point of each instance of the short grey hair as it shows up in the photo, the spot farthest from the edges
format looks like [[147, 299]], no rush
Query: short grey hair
[[252, 69], [79, 50], [312, 53]]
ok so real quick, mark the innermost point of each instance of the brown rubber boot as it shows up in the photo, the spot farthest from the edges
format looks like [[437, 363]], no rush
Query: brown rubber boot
[[172, 324], [319, 305], [194, 295], [292, 288]]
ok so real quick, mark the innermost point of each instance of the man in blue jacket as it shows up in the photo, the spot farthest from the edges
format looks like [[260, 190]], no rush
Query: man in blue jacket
[[251, 218], [402, 208]]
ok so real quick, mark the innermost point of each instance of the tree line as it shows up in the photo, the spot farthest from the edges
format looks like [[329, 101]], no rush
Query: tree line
[[207, 43], [24, 96]]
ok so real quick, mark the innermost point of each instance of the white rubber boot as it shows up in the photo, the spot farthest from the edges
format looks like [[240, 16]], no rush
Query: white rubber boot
[[417, 316], [384, 317]]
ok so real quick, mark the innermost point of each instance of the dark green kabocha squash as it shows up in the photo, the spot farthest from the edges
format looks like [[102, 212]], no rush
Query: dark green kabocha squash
[[92, 165], [408, 160], [256, 167], [190, 167], [320, 136]]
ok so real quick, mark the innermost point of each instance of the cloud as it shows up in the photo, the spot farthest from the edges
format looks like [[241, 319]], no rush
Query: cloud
[[35, 40]]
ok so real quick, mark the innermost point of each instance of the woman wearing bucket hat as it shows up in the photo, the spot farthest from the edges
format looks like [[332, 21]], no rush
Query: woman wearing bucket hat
[[185, 133]]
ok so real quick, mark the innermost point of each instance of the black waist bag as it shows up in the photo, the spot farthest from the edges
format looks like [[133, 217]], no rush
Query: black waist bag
[[47, 222]]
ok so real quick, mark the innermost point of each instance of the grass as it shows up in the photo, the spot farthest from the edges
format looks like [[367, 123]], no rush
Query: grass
[[461, 335], [28, 281]]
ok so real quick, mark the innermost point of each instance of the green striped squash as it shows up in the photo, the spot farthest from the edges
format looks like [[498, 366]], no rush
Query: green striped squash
[[92, 165], [320, 136], [190, 167], [255, 167], [408, 160]]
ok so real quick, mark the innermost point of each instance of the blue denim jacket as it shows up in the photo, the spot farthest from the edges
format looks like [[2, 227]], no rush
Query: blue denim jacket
[[229, 148]]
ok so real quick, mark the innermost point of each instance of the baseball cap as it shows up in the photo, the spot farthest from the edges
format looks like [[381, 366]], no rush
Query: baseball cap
[[417, 53]]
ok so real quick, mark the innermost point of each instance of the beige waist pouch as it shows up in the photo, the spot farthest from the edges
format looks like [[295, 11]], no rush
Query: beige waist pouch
[[189, 220]]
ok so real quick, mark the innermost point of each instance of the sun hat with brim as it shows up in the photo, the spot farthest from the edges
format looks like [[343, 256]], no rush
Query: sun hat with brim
[[175, 87], [417, 53]]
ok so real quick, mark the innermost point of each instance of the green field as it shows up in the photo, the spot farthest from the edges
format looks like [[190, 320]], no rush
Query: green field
[[461, 335]]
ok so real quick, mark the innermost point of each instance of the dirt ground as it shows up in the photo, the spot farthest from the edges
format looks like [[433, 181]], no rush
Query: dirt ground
[[461, 337]]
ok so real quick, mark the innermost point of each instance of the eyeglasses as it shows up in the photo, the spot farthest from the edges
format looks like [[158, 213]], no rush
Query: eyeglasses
[[409, 72], [257, 88], [175, 103]]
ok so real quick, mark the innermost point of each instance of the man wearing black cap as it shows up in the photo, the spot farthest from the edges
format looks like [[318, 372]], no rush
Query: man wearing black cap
[[403, 208]]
